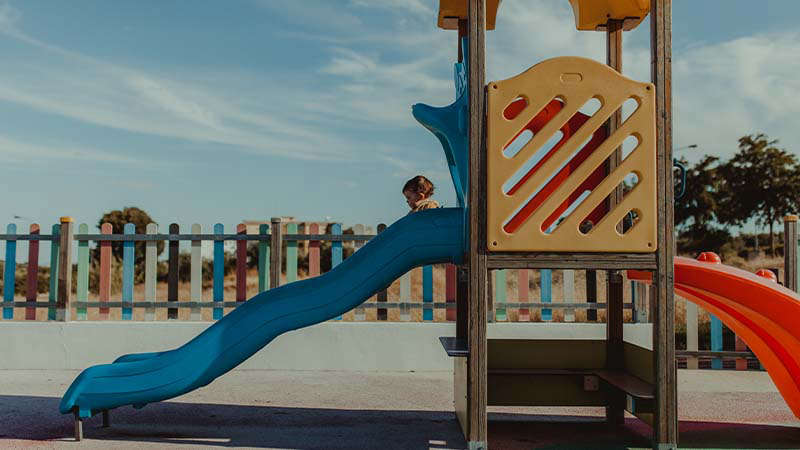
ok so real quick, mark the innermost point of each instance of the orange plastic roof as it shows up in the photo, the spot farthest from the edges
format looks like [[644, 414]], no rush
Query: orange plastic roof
[[450, 11], [593, 15]]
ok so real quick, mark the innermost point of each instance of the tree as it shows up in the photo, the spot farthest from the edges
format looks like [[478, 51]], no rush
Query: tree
[[698, 206], [118, 219], [758, 182], [696, 212]]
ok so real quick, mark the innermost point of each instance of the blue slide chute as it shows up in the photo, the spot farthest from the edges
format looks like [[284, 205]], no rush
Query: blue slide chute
[[428, 237]]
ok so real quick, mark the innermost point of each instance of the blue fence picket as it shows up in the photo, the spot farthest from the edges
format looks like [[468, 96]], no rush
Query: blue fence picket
[[547, 293], [716, 341], [127, 272], [219, 271], [427, 293], [55, 244], [9, 278], [82, 290]]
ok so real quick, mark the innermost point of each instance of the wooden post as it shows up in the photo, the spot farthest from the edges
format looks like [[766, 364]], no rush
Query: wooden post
[[263, 259], [64, 302], [591, 294], [450, 292], [32, 291], [490, 297], [104, 293], [382, 313], [692, 343], [78, 427], [614, 60], [150, 271], [462, 271], [196, 274], [615, 410], [172, 272], [462, 302], [665, 426], [275, 253], [241, 264], [476, 366], [790, 252], [127, 272]]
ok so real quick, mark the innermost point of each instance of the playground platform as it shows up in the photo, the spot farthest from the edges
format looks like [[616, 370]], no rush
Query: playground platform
[[386, 410]]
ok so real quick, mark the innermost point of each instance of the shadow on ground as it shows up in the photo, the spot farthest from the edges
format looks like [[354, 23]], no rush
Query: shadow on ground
[[31, 420]]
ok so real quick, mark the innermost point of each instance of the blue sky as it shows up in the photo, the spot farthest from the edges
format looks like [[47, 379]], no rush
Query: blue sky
[[206, 112]]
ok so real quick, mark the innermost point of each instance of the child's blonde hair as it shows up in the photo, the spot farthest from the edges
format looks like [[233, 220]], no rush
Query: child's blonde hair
[[420, 185]]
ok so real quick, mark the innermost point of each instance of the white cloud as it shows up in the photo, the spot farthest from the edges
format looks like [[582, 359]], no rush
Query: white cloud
[[170, 102], [372, 75], [73, 85], [416, 7], [315, 14], [9, 16], [17, 151]]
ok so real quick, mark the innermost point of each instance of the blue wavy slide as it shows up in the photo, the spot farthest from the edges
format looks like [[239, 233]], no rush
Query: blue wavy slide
[[428, 237]]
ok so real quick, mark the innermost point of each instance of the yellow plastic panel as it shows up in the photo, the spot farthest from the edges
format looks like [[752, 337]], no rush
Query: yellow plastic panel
[[452, 10], [593, 15], [570, 81]]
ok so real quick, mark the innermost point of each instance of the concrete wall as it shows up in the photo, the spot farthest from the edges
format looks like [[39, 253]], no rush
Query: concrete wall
[[387, 346]]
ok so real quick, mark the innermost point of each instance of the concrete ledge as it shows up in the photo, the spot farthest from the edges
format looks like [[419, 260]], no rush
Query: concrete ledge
[[363, 346]]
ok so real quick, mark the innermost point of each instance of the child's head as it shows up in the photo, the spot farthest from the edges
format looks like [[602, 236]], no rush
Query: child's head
[[416, 189]]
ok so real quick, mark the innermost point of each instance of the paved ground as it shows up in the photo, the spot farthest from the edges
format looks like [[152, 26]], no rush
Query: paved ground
[[354, 410]]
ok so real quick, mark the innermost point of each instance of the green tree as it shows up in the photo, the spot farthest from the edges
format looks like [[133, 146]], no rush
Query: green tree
[[696, 212], [698, 206], [759, 182], [118, 219]]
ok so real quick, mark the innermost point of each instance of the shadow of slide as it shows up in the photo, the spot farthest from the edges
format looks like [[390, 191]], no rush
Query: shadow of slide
[[29, 419]]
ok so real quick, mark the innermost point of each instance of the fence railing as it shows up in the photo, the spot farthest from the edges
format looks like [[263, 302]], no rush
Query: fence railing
[[563, 295]]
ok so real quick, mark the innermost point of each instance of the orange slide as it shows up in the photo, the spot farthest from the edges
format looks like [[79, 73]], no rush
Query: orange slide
[[760, 311]]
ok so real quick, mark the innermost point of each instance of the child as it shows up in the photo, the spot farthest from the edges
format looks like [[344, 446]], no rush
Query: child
[[418, 192]]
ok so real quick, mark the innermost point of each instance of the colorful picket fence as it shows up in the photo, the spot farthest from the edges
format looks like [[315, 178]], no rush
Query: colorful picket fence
[[514, 291], [148, 301], [517, 295]]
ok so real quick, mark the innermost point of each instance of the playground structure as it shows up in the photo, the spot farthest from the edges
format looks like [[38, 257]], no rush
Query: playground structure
[[514, 211], [528, 208], [509, 216]]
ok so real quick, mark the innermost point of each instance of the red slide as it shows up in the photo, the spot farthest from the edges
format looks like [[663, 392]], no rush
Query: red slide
[[763, 313]]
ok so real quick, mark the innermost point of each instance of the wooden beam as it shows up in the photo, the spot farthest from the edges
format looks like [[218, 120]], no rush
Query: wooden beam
[[615, 410], [591, 294], [275, 252], [665, 426], [614, 60], [383, 295], [462, 272], [64, 298], [476, 371], [790, 252], [535, 260]]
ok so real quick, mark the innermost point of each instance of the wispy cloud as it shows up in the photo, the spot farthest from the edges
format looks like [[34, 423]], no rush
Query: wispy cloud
[[86, 89], [17, 151]]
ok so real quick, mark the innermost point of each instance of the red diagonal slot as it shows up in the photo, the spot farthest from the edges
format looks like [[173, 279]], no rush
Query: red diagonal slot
[[572, 125], [535, 125]]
